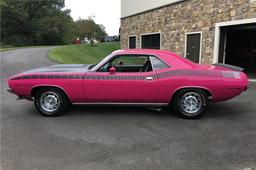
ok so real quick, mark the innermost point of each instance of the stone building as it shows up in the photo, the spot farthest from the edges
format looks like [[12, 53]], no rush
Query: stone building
[[204, 31]]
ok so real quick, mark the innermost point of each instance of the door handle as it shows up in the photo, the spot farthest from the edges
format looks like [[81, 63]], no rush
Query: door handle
[[149, 78]]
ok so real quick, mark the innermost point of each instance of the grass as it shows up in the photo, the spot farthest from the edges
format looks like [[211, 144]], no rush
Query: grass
[[7, 48], [82, 54]]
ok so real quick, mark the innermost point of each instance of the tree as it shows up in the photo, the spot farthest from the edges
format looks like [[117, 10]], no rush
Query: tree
[[100, 31], [35, 22], [88, 28]]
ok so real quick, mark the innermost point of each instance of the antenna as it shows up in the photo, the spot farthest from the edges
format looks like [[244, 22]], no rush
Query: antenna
[[92, 16]]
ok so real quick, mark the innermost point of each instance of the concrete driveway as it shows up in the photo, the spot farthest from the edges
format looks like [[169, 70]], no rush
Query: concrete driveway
[[121, 138]]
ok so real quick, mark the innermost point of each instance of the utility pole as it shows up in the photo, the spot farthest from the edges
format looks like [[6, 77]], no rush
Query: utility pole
[[92, 16], [91, 34]]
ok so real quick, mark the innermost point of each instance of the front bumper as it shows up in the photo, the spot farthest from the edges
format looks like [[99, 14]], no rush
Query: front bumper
[[20, 97], [9, 90]]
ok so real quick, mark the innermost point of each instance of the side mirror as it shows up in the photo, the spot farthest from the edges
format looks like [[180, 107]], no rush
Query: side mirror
[[112, 70]]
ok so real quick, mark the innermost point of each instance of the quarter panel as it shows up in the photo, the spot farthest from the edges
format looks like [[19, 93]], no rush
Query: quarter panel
[[220, 87]]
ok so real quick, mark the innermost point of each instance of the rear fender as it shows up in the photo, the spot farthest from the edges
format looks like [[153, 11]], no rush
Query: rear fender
[[192, 87]]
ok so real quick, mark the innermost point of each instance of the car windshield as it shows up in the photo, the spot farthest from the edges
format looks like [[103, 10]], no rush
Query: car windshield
[[95, 67]]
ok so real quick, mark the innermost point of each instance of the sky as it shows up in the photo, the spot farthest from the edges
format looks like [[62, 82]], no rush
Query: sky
[[106, 12]]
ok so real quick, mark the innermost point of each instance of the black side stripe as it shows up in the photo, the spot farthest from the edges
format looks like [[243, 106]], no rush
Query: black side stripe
[[162, 75], [49, 77]]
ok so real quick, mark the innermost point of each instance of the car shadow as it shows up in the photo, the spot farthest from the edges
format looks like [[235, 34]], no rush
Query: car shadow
[[223, 110], [215, 110], [116, 110]]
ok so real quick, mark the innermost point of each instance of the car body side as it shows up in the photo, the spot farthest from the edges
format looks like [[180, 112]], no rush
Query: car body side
[[84, 86]]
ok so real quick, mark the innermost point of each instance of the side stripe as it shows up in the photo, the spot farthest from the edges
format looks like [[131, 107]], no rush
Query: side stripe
[[49, 77], [175, 73], [162, 75]]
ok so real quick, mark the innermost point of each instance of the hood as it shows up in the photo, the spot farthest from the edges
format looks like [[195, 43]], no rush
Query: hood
[[61, 68]]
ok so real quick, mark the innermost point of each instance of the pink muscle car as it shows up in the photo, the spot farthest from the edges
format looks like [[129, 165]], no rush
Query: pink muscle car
[[131, 77]]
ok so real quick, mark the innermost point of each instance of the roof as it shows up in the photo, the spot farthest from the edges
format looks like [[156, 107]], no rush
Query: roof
[[142, 51], [168, 56]]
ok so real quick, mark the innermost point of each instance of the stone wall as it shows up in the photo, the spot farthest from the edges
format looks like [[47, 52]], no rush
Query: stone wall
[[176, 20]]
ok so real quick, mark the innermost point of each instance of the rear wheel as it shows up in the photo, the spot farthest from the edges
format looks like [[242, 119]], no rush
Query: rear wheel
[[190, 103], [51, 102]]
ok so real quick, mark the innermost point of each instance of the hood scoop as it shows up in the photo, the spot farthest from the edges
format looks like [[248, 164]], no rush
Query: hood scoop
[[62, 68]]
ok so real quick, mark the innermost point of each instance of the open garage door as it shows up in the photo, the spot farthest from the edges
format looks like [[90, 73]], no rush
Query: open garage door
[[238, 47]]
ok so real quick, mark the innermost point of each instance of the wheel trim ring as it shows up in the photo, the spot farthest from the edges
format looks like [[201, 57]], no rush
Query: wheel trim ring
[[49, 102], [191, 103]]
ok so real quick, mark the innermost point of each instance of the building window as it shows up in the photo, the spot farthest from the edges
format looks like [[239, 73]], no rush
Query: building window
[[132, 42], [150, 41]]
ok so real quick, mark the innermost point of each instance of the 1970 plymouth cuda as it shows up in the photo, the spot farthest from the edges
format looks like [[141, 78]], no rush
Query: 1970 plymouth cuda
[[131, 77]]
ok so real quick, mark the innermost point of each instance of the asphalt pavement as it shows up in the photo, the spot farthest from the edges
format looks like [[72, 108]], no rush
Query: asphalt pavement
[[120, 138]]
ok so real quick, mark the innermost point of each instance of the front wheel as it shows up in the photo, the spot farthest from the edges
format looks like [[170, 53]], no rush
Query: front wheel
[[51, 102], [190, 103]]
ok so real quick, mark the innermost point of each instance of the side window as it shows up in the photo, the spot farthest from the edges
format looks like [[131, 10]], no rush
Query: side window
[[105, 67], [128, 63], [157, 64], [129, 60]]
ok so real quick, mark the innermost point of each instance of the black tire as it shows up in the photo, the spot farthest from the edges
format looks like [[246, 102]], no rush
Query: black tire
[[57, 96], [190, 103]]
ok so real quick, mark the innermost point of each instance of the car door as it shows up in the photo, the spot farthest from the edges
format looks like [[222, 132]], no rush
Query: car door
[[121, 87]]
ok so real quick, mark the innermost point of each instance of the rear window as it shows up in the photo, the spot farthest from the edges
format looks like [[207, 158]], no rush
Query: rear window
[[158, 64]]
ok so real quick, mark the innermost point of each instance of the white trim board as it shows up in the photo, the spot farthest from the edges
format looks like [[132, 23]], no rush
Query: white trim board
[[151, 33], [217, 33], [201, 44]]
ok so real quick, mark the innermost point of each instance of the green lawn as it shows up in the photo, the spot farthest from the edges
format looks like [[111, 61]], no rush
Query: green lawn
[[82, 54], [7, 48]]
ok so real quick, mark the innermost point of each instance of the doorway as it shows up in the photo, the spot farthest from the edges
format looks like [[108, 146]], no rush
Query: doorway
[[238, 47], [193, 46]]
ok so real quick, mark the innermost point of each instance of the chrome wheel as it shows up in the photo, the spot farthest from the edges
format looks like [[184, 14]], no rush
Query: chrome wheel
[[49, 101], [191, 102]]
